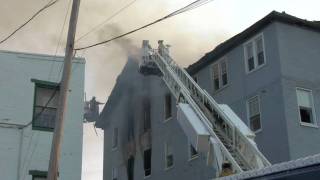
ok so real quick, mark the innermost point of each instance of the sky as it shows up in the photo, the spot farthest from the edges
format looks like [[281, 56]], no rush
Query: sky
[[190, 35]]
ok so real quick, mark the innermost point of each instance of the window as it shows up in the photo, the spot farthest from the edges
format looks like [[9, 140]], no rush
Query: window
[[168, 155], [115, 138], [38, 175], [147, 162], [193, 153], [254, 113], [306, 106], [220, 74], [45, 106], [254, 53], [167, 107], [130, 168], [146, 116], [114, 174]]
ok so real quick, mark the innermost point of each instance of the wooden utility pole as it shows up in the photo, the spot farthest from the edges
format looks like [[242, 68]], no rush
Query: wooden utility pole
[[53, 170]]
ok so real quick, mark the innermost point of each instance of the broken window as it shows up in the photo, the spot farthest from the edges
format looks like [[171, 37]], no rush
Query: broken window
[[168, 156], [306, 107], [115, 138], [254, 113], [220, 74], [45, 106], [168, 107], [147, 162], [114, 174], [254, 53], [193, 153]]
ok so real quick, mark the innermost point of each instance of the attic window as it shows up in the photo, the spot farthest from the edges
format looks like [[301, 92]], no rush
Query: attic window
[[220, 74], [254, 54]]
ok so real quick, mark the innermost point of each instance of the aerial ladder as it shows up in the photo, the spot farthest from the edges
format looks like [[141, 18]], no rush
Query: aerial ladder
[[211, 128]]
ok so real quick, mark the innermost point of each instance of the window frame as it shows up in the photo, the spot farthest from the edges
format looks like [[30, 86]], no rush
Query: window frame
[[165, 107], [165, 157], [219, 62], [314, 115], [252, 41], [260, 113], [46, 85], [114, 145]]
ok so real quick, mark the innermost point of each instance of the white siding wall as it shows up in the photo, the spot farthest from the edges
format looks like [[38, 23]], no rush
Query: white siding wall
[[27, 149]]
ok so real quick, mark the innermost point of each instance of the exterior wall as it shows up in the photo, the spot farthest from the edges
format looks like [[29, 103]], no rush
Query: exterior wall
[[300, 62], [126, 104], [25, 149], [264, 82]]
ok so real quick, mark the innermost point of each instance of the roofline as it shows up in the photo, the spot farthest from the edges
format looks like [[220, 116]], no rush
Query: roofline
[[47, 57], [231, 43]]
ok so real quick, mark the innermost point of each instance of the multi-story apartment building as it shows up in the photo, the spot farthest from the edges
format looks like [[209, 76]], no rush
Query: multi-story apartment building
[[267, 74], [29, 86]]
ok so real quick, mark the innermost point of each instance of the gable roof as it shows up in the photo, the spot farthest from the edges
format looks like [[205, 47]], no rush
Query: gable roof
[[231, 43]]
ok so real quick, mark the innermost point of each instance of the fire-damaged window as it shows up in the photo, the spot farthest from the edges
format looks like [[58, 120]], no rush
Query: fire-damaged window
[[46, 98], [115, 138], [306, 106], [220, 74], [147, 162], [168, 107], [146, 115], [254, 113], [168, 155]]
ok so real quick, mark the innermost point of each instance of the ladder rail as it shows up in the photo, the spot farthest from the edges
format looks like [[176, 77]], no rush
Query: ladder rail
[[166, 70], [249, 151]]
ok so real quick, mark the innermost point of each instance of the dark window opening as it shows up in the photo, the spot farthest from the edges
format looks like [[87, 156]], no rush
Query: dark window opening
[[193, 151], [168, 106], [130, 168], [147, 162], [250, 63], [260, 58], [306, 115], [146, 116], [255, 122]]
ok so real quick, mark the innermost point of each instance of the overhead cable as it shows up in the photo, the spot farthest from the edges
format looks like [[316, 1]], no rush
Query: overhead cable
[[189, 7]]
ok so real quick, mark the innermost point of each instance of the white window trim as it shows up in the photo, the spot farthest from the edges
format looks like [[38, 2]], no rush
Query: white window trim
[[315, 123], [252, 40], [248, 113], [115, 147], [189, 153], [165, 158], [220, 74], [164, 109]]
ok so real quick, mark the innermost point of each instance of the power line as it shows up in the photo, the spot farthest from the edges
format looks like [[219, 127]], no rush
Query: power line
[[60, 37], [105, 21], [189, 7], [50, 3]]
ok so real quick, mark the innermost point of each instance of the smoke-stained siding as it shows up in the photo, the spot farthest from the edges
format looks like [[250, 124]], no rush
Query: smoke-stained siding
[[126, 104]]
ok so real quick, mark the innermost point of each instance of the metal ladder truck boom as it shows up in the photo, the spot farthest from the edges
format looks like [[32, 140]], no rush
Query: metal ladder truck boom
[[210, 127]]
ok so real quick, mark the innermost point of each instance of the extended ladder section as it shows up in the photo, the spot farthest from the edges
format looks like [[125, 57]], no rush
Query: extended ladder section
[[210, 127]]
